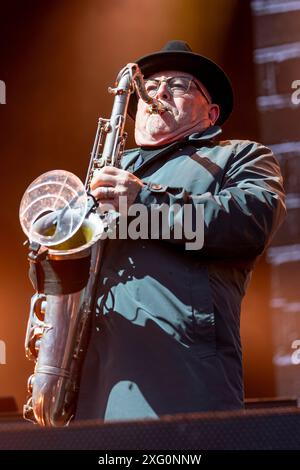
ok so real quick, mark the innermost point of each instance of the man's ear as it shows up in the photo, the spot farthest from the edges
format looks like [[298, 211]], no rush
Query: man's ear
[[214, 113]]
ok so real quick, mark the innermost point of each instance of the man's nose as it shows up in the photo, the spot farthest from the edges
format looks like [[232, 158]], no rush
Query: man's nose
[[163, 91]]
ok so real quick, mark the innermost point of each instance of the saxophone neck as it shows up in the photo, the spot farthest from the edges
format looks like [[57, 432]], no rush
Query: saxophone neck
[[155, 106]]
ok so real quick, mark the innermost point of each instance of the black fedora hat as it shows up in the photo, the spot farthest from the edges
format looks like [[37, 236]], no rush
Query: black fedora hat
[[177, 55]]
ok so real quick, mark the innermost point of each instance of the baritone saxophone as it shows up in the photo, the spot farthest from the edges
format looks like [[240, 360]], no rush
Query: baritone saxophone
[[59, 217]]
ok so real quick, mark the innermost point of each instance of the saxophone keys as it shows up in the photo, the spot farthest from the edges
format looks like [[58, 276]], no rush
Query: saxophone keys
[[39, 307], [30, 382]]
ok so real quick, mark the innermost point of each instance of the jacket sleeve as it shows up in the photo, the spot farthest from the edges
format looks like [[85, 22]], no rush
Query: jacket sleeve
[[244, 215]]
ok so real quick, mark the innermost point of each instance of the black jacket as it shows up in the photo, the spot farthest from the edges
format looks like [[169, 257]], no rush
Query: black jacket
[[166, 336]]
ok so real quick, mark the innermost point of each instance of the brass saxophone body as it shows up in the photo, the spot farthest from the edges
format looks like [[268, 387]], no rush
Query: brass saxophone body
[[58, 326]]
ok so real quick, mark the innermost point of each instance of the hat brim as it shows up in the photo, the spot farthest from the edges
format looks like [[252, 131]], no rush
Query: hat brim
[[206, 71]]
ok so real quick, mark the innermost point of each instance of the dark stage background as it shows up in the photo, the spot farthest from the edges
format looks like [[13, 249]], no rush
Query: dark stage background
[[57, 59]]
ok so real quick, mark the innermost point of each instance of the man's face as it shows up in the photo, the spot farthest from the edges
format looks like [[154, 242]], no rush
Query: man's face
[[186, 113]]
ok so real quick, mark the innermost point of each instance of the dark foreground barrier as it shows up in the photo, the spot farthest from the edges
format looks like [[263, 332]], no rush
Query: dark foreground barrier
[[252, 429]]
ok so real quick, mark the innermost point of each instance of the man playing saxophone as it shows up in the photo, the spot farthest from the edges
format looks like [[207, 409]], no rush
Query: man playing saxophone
[[165, 336]]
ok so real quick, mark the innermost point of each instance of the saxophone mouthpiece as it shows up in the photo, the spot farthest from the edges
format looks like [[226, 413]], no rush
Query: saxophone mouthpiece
[[156, 108]]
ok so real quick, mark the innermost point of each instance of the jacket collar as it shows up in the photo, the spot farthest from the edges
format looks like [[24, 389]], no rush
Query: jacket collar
[[196, 139], [209, 134]]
